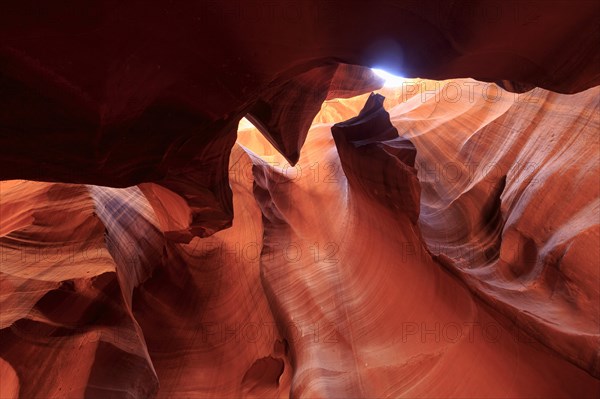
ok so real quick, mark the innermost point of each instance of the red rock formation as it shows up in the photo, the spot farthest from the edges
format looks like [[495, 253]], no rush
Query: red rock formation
[[88, 84], [441, 242], [378, 281], [67, 325]]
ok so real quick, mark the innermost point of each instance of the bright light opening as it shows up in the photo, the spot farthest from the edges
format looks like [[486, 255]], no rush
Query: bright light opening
[[390, 80]]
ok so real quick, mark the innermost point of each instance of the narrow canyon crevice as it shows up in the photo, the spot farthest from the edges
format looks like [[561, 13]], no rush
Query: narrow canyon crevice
[[233, 200]]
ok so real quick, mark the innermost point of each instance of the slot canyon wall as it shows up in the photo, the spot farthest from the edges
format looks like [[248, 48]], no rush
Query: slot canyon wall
[[440, 238]]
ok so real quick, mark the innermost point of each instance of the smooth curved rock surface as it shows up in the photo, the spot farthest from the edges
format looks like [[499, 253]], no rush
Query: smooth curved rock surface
[[437, 316], [437, 239], [519, 212], [67, 325], [392, 260]]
